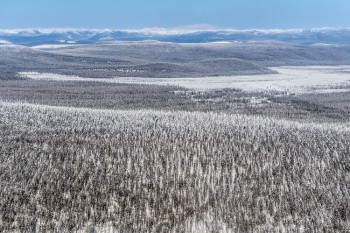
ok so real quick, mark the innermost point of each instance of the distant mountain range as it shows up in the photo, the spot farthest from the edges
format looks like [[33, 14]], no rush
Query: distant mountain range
[[34, 37]]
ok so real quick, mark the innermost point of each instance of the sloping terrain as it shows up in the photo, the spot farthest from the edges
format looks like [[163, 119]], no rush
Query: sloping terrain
[[234, 136], [66, 169], [120, 64], [167, 60], [32, 37], [267, 53]]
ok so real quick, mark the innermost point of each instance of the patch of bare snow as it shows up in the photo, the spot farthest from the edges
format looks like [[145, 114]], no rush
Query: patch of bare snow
[[52, 46], [294, 80], [4, 42]]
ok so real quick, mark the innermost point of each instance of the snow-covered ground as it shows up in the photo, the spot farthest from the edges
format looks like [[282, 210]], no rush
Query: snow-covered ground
[[53, 46], [2, 42], [291, 79]]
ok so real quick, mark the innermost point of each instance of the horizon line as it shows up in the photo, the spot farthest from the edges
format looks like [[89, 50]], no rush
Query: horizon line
[[166, 30]]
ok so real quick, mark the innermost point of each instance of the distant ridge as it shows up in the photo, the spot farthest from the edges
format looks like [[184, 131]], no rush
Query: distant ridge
[[188, 34]]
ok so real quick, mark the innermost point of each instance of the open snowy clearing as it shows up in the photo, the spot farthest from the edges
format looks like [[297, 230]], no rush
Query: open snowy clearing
[[296, 80], [54, 46]]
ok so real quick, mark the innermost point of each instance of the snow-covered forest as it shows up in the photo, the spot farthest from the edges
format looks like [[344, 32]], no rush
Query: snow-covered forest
[[69, 169]]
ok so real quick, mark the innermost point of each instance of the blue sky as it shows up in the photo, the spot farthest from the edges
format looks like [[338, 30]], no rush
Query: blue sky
[[122, 14]]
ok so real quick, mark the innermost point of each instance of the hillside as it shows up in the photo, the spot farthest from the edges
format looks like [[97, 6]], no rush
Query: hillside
[[167, 60], [67, 169]]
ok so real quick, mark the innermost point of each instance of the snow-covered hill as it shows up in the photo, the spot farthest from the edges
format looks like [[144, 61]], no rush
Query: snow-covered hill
[[33, 37]]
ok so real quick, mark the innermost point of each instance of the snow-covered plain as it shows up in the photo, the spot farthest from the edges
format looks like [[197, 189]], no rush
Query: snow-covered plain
[[295, 80], [54, 46], [4, 42]]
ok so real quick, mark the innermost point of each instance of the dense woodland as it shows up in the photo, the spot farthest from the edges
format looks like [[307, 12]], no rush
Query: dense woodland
[[80, 156], [68, 169]]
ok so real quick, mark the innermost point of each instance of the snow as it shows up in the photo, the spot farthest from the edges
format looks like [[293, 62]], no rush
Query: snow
[[220, 42], [294, 80], [4, 42], [67, 41], [325, 45], [52, 46], [169, 31], [175, 30], [47, 31]]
